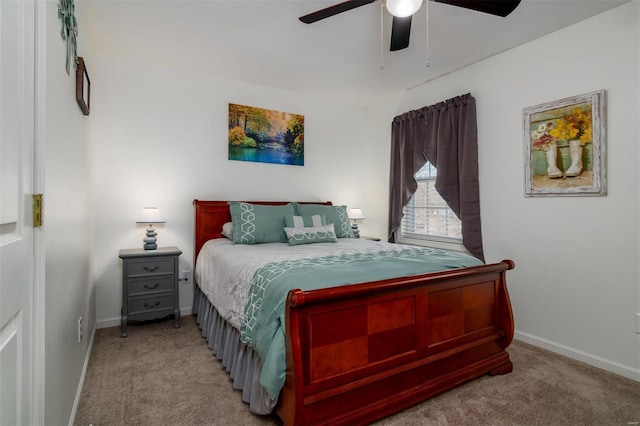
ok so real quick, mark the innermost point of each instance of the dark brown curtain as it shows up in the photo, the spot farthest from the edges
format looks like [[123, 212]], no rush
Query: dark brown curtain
[[446, 135]]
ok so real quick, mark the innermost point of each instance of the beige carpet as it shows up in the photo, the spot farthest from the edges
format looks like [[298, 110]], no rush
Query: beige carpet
[[160, 375]]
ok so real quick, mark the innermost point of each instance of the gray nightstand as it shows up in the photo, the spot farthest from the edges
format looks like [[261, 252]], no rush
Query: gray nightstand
[[150, 285], [370, 238]]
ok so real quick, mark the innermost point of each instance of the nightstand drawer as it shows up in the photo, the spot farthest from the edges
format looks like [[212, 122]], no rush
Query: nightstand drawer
[[141, 286], [145, 267], [150, 304]]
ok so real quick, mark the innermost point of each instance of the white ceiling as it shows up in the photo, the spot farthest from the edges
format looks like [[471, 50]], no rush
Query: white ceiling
[[263, 42]]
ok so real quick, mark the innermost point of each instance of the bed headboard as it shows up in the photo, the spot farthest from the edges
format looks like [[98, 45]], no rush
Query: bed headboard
[[211, 215]]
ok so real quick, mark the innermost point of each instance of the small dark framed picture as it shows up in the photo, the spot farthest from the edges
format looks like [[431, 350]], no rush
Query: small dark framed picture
[[83, 87]]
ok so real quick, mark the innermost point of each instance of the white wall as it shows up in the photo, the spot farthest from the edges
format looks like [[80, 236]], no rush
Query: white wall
[[68, 231], [160, 139], [576, 285]]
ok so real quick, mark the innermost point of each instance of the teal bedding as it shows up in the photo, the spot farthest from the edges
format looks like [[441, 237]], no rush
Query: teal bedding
[[264, 314]]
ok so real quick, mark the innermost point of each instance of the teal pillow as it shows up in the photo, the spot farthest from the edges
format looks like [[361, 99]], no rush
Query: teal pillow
[[305, 221], [256, 223], [334, 214], [310, 235]]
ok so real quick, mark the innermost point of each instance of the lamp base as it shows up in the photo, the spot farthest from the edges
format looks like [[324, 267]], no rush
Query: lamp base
[[356, 231], [150, 239]]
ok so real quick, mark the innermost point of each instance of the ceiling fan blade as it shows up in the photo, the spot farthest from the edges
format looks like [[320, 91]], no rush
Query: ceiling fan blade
[[494, 7], [333, 10], [400, 32]]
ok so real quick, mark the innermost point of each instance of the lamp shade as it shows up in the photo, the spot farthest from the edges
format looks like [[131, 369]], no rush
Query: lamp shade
[[355, 214], [403, 8], [150, 215]]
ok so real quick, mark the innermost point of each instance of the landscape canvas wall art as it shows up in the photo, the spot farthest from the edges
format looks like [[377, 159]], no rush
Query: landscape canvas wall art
[[265, 136]]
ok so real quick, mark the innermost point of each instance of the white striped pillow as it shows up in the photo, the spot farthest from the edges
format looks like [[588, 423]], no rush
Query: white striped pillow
[[305, 221]]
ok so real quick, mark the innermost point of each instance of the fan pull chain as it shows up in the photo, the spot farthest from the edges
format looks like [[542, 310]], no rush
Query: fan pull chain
[[426, 8], [381, 35]]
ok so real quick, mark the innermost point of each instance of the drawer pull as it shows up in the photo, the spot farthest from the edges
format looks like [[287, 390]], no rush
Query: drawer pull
[[148, 306], [152, 287], [148, 269]]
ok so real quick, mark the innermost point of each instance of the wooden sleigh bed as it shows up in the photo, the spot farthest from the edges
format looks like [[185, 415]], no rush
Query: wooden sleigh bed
[[358, 353]]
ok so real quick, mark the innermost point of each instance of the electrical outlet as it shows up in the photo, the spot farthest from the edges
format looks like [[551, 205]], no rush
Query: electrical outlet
[[185, 277], [637, 322], [80, 330]]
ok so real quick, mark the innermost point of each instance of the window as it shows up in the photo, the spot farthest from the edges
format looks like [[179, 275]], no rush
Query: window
[[427, 216]]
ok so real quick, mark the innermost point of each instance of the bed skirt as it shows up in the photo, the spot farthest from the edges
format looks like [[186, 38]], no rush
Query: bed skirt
[[239, 360]]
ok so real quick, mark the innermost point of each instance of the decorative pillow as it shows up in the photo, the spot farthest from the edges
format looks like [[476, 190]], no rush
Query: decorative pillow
[[256, 223], [305, 221], [227, 230], [310, 235], [334, 214]]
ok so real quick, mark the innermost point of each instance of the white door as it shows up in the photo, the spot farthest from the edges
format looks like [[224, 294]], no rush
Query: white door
[[16, 232]]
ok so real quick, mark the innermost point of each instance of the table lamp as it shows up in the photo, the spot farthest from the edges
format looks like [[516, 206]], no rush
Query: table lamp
[[150, 215], [355, 215]]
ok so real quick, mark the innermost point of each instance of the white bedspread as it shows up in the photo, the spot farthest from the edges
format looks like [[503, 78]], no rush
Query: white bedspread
[[224, 270]]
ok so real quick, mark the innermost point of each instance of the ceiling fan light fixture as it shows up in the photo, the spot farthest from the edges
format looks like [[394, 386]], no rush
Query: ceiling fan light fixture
[[403, 8]]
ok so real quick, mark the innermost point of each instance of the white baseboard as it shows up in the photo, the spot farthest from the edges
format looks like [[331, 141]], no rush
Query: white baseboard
[[76, 401], [109, 322], [587, 358], [115, 322]]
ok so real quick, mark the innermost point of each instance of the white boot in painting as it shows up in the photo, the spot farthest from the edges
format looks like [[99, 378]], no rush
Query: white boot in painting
[[575, 149], [552, 162]]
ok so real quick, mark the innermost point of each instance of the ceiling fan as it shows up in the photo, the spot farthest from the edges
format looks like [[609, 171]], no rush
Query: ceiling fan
[[403, 10]]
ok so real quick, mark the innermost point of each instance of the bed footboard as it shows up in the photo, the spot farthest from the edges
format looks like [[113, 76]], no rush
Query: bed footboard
[[359, 353]]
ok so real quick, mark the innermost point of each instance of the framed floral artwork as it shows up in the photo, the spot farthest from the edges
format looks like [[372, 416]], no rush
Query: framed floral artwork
[[564, 146]]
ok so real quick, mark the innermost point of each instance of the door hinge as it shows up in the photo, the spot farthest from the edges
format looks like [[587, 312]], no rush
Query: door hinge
[[37, 210]]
